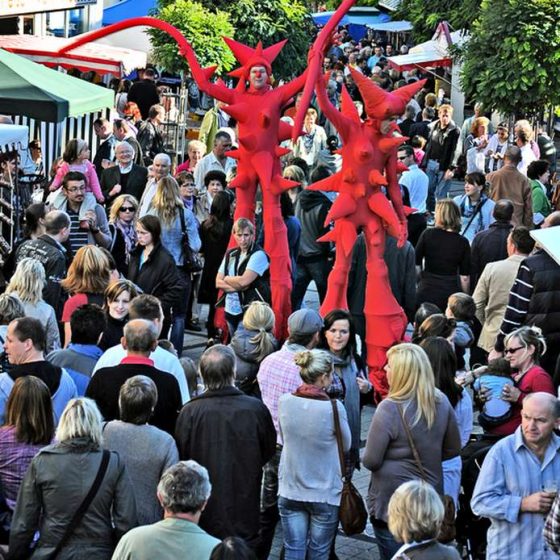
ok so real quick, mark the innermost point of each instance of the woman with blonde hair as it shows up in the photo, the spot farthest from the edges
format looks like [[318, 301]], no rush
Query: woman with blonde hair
[[178, 225], [444, 257], [524, 138], [414, 413], [415, 517], [56, 483], [86, 281], [252, 342], [310, 477], [476, 144], [28, 427], [27, 285], [121, 225]]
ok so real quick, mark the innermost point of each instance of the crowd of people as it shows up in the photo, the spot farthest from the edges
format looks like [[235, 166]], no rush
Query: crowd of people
[[114, 445]]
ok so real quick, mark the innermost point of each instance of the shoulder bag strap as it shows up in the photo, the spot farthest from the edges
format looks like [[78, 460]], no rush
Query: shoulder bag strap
[[338, 434], [85, 504], [476, 211], [182, 220], [412, 446]]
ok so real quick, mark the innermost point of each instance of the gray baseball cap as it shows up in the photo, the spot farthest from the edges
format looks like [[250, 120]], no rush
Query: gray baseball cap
[[304, 321]]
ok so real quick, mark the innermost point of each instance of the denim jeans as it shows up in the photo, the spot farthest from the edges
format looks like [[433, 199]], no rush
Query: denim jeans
[[438, 187], [386, 543], [309, 529], [178, 315], [306, 271]]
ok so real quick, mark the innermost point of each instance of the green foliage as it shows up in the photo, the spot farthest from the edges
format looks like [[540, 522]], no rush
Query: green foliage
[[268, 21], [511, 61], [334, 4], [425, 16], [202, 28]]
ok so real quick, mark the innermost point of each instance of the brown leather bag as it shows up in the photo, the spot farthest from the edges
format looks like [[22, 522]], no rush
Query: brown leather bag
[[352, 513], [447, 531]]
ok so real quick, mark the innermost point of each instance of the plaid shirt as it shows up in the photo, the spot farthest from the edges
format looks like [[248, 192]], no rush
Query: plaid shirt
[[15, 457], [278, 375], [551, 530]]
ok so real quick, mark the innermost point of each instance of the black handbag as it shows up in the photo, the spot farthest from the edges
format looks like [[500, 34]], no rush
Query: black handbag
[[352, 512], [192, 261]]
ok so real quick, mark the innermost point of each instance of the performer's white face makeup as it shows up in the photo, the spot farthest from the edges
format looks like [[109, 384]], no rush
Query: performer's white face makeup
[[258, 77]]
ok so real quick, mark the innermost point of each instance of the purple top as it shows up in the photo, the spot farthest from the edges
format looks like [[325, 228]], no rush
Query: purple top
[[14, 460]]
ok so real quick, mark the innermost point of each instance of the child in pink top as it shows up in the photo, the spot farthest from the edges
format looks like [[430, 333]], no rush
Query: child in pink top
[[418, 143], [76, 158]]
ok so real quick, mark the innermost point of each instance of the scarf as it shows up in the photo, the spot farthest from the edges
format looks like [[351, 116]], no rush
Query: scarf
[[311, 392], [129, 234], [308, 139]]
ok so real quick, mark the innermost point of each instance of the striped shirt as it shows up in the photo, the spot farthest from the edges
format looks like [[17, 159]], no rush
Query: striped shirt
[[78, 237], [518, 304], [509, 473]]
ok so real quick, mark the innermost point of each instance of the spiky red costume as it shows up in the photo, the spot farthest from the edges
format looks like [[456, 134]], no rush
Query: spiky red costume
[[369, 163], [257, 109]]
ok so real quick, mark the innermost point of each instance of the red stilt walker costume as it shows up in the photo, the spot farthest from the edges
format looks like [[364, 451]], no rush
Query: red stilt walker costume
[[257, 109], [369, 164]]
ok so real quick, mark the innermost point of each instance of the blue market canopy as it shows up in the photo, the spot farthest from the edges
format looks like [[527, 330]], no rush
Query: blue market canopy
[[127, 9]]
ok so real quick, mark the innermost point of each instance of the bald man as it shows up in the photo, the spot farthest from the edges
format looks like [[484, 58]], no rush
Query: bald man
[[518, 483]]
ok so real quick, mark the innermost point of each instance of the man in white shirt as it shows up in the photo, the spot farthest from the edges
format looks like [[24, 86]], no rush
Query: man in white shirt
[[148, 307], [215, 160], [416, 181]]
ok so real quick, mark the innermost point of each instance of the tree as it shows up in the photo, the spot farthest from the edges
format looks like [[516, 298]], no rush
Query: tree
[[203, 28], [425, 16], [510, 62], [268, 21]]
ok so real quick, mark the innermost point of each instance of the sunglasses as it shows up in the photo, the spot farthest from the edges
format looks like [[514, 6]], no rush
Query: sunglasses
[[402, 158], [512, 350], [127, 209]]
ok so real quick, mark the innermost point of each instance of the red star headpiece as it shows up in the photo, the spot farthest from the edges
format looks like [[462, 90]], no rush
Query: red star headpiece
[[249, 57], [381, 104]]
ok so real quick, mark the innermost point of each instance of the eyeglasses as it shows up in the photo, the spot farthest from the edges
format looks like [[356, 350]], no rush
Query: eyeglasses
[[512, 350], [402, 158], [75, 189], [127, 209]]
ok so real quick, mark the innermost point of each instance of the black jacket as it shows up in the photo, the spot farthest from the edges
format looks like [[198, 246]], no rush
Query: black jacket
[[144, 94], [311, 209], [402, 276], [448, 140], [103, 152], [544, 306], [105, 385], [53, 256], [233, 436], [137, 179], [421, 128], [158, 276], [489, 246]]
